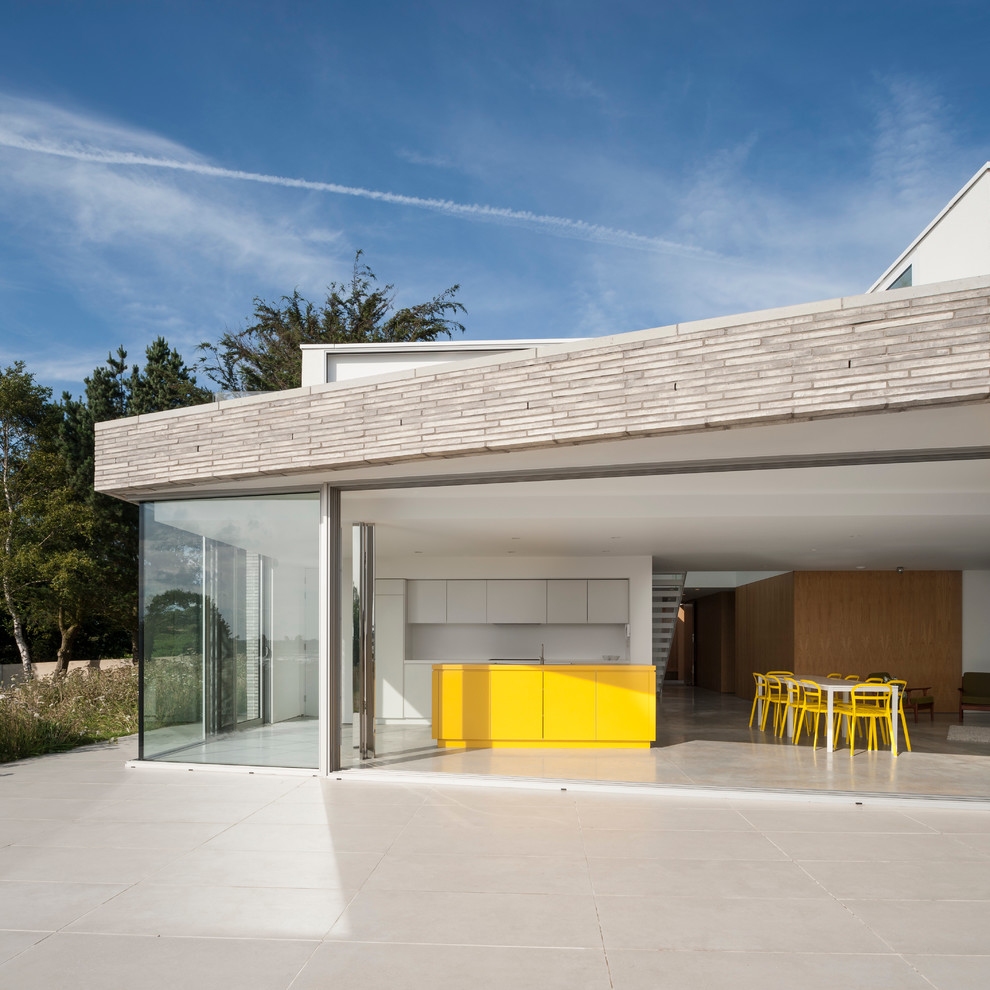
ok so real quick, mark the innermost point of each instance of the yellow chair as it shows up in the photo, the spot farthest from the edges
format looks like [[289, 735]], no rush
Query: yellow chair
[[838, 677], [884, 728], [850, 677], [780, 673], [901, 690], [792, 703], [760, 696], [777, 698], [871, 706], [812, 703]]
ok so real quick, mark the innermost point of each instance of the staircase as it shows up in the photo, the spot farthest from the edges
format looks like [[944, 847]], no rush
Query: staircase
[[667, 592]]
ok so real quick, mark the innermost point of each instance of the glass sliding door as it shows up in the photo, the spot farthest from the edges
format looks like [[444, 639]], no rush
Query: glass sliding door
[[363, 563], [230, 630]]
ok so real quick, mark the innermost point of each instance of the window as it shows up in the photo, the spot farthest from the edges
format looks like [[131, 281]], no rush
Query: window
[[230, 623], [903, 280]]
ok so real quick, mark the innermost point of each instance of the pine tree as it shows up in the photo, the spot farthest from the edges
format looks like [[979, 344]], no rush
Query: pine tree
[[265, 356]]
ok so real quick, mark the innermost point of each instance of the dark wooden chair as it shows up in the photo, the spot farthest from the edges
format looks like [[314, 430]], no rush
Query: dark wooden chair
[[974, 695], [919, 697]]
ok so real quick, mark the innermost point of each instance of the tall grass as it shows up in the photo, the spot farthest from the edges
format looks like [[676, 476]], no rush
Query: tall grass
[[48, 716]]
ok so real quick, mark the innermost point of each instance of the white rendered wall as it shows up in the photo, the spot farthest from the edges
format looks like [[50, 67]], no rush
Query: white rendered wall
[[958, 246], [342, 367], [976, 620], [322, 364]]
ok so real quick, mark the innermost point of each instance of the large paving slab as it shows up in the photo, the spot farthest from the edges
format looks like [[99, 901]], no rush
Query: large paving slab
[[282, 882]]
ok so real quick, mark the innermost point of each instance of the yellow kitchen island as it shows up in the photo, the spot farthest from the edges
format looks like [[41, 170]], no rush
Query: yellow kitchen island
[[603, 706]]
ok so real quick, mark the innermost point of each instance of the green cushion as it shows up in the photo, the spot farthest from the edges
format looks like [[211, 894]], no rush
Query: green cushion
[[975, 699], [926, 699]]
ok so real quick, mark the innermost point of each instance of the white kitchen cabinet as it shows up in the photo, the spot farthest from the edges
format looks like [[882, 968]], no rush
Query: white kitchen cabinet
[[390, 654], [419, 690], [517, 602], [426, 601], [608, 600], [467, 601], [567, 602]]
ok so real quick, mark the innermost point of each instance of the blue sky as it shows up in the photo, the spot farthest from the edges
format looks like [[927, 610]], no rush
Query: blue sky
[[579, 168]]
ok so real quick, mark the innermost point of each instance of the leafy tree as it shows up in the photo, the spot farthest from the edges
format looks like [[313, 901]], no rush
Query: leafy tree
[[265, 356], [112, 392], [65, 569], [27, 470]]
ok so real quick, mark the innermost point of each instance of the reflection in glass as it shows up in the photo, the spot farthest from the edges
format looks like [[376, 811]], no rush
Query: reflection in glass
[[230, 598]]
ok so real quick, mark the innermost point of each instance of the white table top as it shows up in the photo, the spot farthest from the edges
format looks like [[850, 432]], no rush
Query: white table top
[[834, 684]]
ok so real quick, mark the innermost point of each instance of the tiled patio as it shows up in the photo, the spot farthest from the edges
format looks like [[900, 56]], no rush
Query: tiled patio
[[162, 877]]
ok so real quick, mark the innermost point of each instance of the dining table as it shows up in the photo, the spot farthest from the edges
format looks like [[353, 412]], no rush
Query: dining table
[[832, 686]]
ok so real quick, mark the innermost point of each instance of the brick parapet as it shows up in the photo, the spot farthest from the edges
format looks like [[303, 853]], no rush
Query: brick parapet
[[891, 350]]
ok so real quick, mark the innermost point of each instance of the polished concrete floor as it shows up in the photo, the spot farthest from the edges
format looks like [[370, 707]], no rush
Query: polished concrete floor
[[704, 742], [114, 878], [294, 742]]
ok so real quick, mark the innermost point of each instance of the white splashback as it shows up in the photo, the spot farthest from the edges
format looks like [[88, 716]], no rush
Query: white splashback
[[466, 643]]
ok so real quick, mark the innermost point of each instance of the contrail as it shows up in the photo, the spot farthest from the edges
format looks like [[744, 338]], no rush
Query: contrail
[[557, 226]]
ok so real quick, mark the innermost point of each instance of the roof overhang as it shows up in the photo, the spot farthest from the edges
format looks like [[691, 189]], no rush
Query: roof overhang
[[722, 394]]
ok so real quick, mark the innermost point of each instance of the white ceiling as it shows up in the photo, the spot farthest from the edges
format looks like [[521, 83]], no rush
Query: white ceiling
[[918, 516]]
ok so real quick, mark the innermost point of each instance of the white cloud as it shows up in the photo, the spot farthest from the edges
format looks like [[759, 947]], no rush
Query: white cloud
[[90, 153], [144, 252], [417, 158], [158, 240], [911, 139]]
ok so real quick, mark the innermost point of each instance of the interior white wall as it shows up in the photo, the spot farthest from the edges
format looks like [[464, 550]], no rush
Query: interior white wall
[[295, 658], [976, 620], [637, 570], [726, 579]]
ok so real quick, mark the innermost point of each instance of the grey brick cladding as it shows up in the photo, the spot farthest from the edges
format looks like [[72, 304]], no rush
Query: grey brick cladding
[[887, 351]]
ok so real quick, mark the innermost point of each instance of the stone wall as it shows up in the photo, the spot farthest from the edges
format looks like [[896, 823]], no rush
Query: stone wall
[[894, 350]]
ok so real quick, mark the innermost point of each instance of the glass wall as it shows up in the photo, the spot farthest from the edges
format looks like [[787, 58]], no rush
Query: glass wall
[[230, 622]]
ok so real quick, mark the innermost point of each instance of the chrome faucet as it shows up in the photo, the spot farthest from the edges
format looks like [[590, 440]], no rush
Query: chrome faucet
[[542, 660]]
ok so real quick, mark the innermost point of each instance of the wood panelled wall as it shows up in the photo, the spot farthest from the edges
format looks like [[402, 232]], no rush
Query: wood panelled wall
[[764, 629], [854, 622], [857, 622], [680, 665], [715, 642]]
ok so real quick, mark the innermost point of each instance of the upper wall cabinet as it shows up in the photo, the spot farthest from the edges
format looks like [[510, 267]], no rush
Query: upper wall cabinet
[[426, 601], [608, 600], [563, 601], [567, 602], [517, 602], [467, 601]]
